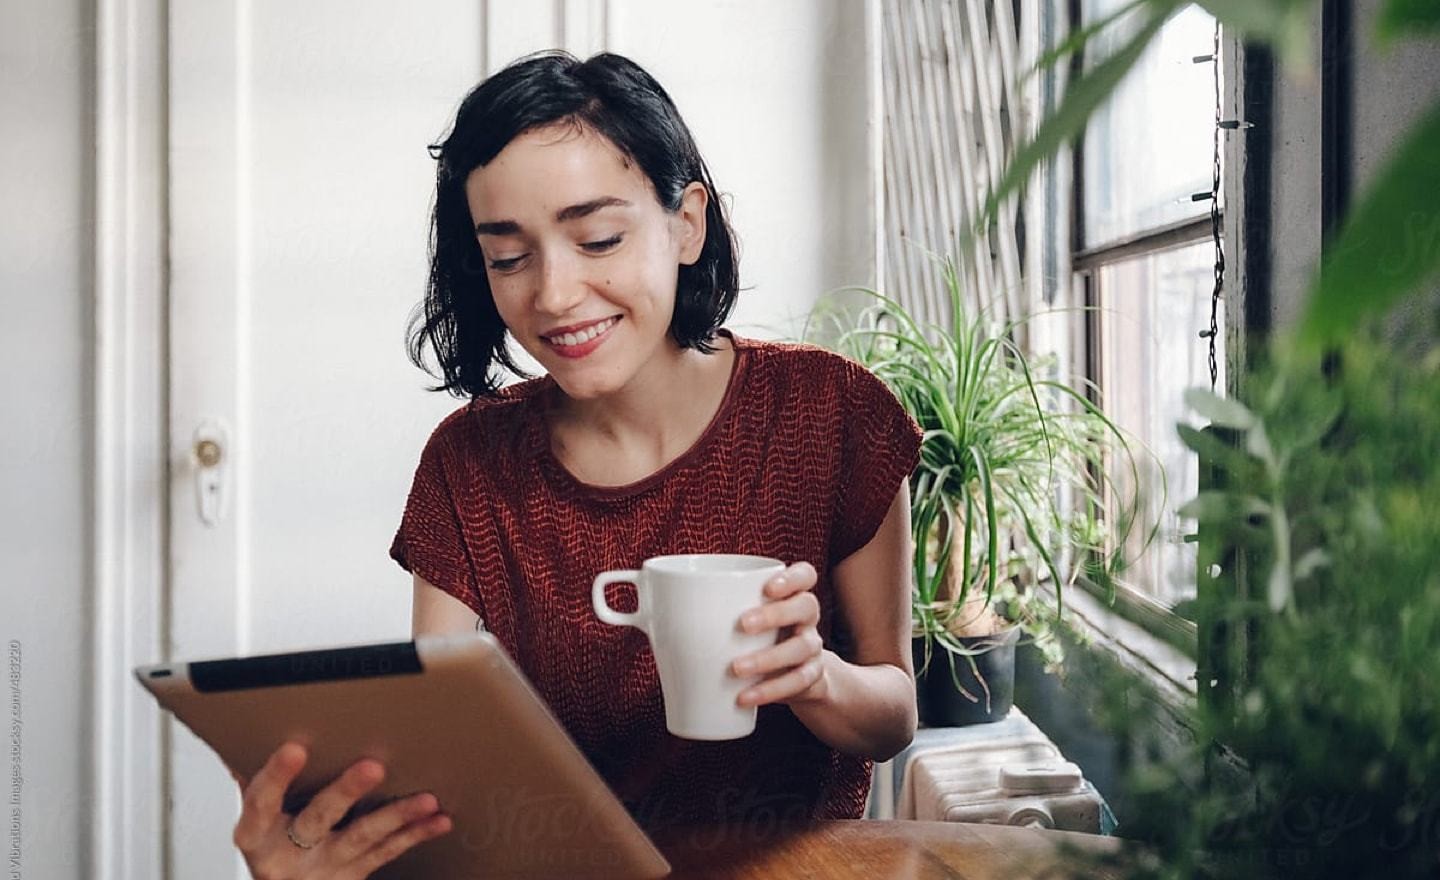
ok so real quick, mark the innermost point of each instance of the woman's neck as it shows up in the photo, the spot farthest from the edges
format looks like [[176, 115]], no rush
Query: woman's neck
[[660, 414]]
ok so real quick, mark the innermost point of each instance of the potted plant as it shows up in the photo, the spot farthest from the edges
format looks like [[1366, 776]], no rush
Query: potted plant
[[1315, 753], [1008, 503]]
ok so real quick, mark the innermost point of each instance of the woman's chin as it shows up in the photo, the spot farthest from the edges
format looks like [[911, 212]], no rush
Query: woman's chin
[[582, 388]]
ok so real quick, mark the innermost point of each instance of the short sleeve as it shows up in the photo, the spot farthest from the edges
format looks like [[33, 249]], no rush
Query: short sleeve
[[880, 447], [430, 541]]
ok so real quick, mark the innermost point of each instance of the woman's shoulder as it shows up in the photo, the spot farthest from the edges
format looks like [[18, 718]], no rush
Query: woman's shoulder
[[791, 356], [483, 425], [803, 364]]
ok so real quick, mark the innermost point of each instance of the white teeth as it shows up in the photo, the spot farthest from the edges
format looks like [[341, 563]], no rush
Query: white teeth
[[584, 335]]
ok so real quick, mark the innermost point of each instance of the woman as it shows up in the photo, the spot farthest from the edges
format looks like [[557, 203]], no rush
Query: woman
[[575, 216]]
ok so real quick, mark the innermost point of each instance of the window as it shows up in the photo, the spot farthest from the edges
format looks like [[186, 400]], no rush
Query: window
[[1143, 258], [1140, 248], [1146, 353], [1149, 148]]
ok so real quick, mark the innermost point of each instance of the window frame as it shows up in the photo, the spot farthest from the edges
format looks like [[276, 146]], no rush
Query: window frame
[[1127, 602], [1132, 604]]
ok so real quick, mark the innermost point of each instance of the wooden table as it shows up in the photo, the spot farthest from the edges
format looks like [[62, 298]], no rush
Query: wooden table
[[881, 850]]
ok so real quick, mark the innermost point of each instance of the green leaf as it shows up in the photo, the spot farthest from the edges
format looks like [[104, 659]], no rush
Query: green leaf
[[1211, 449], [992, 517], [1388, 245], [1315, 559], [1219, 410], [1079, 37], [1278, 592], [1257, 443], [1400, 18], [1085, 93], [1212, 506]]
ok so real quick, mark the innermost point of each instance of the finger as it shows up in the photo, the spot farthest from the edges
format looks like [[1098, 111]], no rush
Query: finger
[[802, 609], [800, 576], [265, 794], [365, 833], [334, 800], [393, 846], [794, 651], [783, 687]]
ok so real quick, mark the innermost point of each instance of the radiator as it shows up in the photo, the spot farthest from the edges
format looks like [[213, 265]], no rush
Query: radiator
[[1006, 773]]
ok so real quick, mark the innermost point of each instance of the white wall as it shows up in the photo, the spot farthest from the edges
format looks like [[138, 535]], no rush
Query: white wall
[[45, 368], [794, 166]]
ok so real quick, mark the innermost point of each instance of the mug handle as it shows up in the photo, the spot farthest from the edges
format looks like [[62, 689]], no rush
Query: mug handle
[[603, 609]]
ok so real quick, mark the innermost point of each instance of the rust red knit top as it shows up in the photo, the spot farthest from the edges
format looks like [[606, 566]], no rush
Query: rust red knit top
[[800, 462]]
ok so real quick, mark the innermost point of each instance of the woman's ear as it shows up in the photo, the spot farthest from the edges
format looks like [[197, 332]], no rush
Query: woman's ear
[[691, 219]]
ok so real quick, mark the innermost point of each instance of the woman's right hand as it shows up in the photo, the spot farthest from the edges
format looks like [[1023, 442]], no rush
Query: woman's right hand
[[350, 853]]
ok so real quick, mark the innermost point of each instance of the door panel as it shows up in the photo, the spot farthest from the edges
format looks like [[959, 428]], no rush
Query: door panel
[[300, 191]]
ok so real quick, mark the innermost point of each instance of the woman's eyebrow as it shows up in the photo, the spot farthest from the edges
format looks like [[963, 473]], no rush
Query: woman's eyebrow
[[585, 209], [572, 212]]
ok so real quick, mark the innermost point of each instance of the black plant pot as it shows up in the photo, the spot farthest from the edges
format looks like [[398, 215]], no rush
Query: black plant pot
[[942, 704]]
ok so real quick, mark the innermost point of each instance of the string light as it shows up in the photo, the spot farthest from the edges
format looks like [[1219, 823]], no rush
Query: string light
[[1212, 333]]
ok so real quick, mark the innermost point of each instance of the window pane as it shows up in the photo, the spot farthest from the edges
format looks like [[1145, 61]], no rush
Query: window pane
[[1151, 310], [1149, 148]]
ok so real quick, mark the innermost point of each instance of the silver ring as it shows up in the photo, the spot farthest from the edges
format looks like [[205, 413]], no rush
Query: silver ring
[[290, 832]]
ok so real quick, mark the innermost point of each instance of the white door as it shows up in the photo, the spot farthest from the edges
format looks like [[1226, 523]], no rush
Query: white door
[[299, 190]]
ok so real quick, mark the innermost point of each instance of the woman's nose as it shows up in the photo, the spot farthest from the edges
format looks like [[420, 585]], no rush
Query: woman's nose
[[560, 286]]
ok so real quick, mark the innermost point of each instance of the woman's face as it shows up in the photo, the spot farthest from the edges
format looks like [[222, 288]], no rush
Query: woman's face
[[581, 257]]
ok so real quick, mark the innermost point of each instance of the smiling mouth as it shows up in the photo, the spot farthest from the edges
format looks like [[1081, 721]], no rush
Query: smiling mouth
[[581, 337]]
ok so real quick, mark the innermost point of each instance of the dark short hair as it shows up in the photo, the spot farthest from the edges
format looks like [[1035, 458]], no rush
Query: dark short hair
[[612, 96]]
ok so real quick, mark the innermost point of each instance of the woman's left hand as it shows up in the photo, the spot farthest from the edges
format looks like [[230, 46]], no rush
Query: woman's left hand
[[793, 670]]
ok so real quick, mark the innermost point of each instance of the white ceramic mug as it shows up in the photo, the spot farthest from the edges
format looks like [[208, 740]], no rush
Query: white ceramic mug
[[690, 607]]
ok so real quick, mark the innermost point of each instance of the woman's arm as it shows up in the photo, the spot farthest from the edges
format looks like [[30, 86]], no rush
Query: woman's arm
[[436, 611], [864, 706]]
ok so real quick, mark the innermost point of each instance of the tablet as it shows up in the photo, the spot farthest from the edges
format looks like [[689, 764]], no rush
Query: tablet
[[449, 714]]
